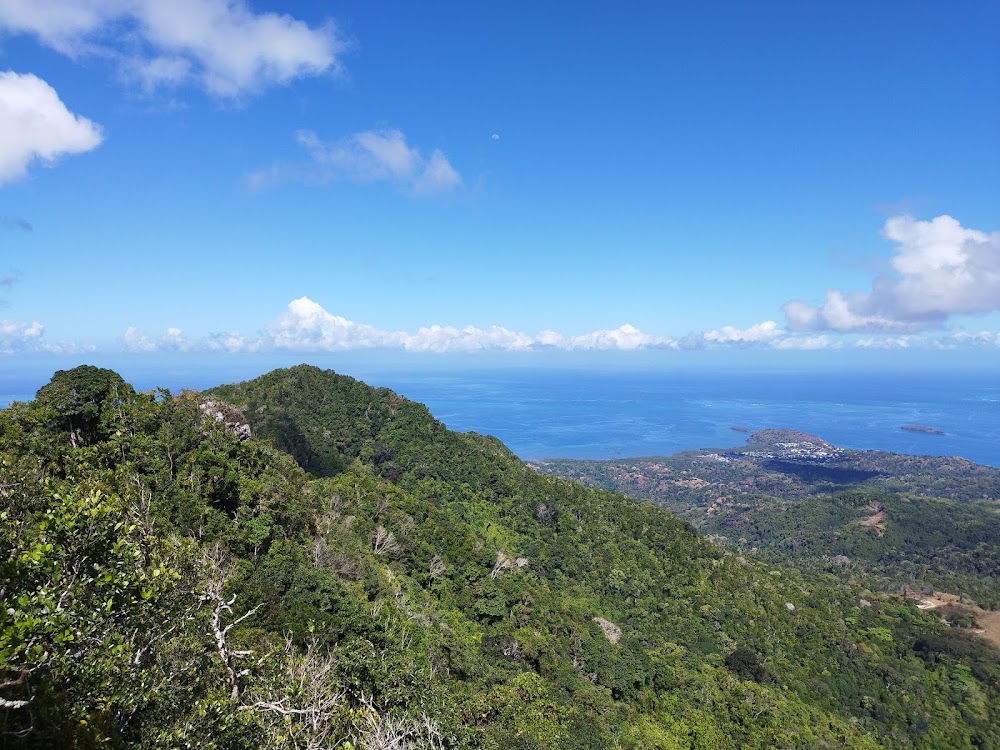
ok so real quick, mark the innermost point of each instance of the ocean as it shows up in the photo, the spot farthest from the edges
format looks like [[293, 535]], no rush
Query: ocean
[[554, 414], [546, 413]]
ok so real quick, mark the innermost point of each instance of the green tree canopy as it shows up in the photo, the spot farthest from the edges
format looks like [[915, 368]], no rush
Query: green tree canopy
[[78, 396]]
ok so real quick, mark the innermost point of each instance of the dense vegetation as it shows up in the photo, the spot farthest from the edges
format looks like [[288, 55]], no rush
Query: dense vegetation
[[168, 582], [895, 522], [893, 541]]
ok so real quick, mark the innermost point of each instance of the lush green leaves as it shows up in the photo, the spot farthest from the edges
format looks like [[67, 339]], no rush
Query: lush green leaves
[[169, 583]]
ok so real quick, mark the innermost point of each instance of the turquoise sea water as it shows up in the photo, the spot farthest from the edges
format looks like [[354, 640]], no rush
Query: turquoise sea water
[[586, 414]]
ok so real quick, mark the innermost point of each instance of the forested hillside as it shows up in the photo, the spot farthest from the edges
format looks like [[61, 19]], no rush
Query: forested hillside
[[892, 521], [347, 573]]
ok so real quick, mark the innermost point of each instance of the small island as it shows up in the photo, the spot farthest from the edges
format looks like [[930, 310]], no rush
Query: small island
[[786, 437], [922, 428], [739, 428]]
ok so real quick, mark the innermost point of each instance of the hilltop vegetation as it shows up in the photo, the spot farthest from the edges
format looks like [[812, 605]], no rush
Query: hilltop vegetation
[[356, 575]]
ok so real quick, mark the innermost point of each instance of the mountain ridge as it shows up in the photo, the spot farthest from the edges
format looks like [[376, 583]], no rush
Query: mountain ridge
[[172, 582]]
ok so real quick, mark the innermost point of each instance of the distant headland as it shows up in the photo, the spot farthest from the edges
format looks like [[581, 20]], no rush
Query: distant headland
[[923, 428]]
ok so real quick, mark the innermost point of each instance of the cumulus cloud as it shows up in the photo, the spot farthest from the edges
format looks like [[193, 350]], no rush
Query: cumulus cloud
[[135, 341], [940, 269], [442, 339], [761, 332], [623, 337], [233, 342], [36, 125], [17, 337], [173, 339], [365, 157], [305, 326], [223, 45], [765, 334]]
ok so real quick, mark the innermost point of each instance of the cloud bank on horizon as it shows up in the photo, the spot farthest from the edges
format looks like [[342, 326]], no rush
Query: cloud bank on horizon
[[305, 326], [941, 270]]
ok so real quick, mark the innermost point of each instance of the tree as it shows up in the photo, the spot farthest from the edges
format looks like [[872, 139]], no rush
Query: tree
[[84, 603], [78, 397]]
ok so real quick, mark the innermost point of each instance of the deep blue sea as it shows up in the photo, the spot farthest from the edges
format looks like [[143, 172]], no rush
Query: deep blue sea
[[548, 413]]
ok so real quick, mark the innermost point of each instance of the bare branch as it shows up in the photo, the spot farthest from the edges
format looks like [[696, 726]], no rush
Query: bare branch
[[437, 567], [384, 542], [503, 563]]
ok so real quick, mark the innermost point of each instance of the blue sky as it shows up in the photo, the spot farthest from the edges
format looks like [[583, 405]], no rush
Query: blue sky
[[519, 182]]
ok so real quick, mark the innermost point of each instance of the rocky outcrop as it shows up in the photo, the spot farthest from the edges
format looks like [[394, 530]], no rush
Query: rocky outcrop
[[230, 416]]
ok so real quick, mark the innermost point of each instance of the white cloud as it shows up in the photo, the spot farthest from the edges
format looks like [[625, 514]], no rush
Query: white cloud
[[624, 337], [807, 343], [442, 339], [766, 335], [940, 269], [174, 339], [135, 341], [984, 338], [947, 341], [222, 44], [365, 157], [888, 342], [437, 176], [36, 125], [17, 337], [766, 331], [233, 343], [305, 326], [60, 24]]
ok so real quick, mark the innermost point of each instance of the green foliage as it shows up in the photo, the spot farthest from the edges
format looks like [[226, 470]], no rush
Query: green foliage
[[83, 400], [823, 514], [168, 583], [87, 585]]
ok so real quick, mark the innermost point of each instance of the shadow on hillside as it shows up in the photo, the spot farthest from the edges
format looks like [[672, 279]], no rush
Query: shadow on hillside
[[812, 473]]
